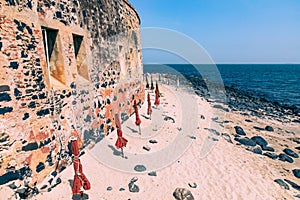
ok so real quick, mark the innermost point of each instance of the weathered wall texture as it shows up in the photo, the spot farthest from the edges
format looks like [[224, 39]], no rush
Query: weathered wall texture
[[40, 104]]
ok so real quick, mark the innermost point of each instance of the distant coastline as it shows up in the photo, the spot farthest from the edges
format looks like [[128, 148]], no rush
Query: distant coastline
[[274, 82], [255, 102]]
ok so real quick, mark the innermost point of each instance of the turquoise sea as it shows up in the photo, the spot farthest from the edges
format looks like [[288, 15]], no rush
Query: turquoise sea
[[275, 82]]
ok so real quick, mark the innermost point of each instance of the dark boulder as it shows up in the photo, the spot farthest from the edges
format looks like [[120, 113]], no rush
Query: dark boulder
[[296, 172], [213, 131], [167, 118], [152, 141], [193, 185], [109, 188], [183, 194], [290, 152], [296, 140], [227, 137], [23, 193], [266, 148], [132, 186], [271, 155], [4, 88], [140, 168], [258, 128], [282, 184], [9, 176], [283, 157], [246, 141], [269, 128], [239, 130], [193, 137], [152, 173], [260, 141], [221, 107], [296, 120], [294, 185], [146, 148], [255, 149], [12, 186]]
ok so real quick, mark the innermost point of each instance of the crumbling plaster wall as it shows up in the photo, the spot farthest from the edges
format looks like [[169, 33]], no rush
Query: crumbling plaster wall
[[38, 110]]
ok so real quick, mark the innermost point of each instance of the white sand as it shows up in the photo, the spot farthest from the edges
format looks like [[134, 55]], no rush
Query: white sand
[[228, 171]]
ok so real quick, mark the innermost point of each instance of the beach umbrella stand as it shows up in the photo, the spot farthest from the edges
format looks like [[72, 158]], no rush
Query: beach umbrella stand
[[149, 110], [121, 141], [152, 85], [137, 117], [80, 182], [147, 83], [156, 103]]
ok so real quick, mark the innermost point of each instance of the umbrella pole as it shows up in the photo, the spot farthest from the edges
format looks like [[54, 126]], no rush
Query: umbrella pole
[[140, 130], [122, 152], [150, 116]]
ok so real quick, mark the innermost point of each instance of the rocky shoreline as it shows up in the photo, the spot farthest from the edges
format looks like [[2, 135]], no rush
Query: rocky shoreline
[[259, 138], [247, 103]]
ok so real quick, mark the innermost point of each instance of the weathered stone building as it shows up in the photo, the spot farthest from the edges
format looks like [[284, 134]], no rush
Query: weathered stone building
[[63, 64]]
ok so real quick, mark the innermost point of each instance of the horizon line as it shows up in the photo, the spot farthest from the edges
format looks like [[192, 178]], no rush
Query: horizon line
[[221, 63]]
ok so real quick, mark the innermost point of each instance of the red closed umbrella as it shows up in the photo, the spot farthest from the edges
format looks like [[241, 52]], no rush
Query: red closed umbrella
[[156, 98], [147, 83], [117, 120], [156, 88], [121, 141], [75, 147], [149, 110], [80, 182], [152, 86], [137, 117]]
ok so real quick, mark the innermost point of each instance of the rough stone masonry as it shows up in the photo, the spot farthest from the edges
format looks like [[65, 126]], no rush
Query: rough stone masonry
[[66, 68]]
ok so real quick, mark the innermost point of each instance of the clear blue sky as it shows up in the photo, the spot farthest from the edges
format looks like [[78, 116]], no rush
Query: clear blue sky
[[232, 31]]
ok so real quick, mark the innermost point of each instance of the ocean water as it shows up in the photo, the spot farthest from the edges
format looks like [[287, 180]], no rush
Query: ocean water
[[275, 82]]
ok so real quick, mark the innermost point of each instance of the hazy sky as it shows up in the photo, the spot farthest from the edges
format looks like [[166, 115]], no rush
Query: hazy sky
[[232, 31]]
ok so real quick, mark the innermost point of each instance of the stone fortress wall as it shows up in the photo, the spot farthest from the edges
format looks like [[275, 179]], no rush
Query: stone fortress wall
[[66, 68]]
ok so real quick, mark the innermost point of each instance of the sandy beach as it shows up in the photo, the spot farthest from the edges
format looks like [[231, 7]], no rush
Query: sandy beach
[[77, 76], [214, 165]]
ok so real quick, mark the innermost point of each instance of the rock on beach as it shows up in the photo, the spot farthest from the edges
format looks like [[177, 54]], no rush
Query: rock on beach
[[183, 194], [239, 130]]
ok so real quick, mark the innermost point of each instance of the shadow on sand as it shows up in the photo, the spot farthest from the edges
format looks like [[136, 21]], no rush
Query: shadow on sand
[[132, 130], [115, 151], [77, 196], [145, 117]]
